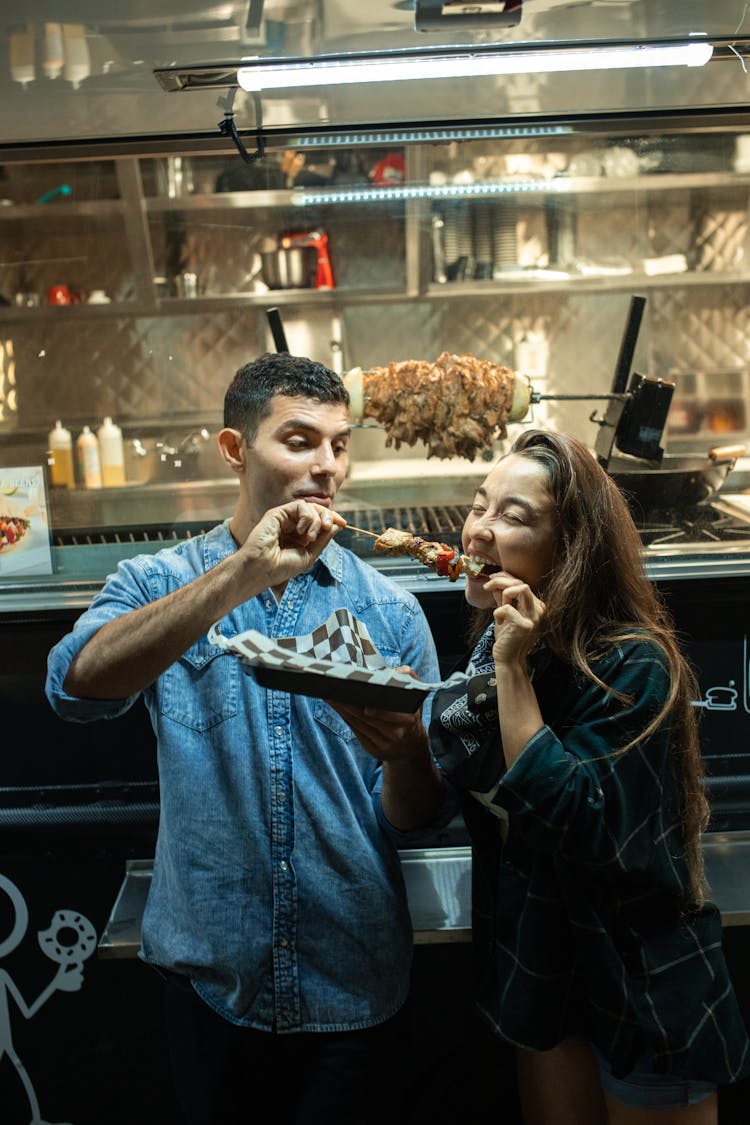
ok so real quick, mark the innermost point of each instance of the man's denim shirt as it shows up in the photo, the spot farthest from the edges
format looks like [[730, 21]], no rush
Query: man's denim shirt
[[277, 885]]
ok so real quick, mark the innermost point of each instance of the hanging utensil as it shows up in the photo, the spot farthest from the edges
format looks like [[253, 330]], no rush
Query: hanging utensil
[[277, 330]]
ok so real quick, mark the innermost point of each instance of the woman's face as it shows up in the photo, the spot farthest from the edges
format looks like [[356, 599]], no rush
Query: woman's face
[[512, 525]]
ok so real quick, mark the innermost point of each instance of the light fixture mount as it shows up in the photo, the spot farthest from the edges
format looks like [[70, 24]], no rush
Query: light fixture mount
[[453, 15]]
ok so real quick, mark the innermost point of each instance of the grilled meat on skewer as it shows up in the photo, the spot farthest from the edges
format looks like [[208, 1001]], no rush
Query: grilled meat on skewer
[[447, 561]]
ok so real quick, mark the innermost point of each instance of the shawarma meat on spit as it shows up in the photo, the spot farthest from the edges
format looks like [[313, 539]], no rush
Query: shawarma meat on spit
[[457, 405]]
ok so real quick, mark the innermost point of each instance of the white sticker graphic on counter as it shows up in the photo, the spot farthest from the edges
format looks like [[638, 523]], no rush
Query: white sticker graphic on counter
[[722, 697], [68, 941]]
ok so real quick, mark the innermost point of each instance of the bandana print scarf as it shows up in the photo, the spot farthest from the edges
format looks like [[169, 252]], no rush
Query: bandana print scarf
[[464, 732]]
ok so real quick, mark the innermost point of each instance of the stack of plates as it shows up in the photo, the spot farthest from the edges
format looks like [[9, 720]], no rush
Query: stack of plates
[[504, 236]]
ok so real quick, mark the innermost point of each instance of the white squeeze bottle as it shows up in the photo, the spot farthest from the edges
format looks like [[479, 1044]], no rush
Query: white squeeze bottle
[[60, 457], [111, 454], [77, 61], [88, 459]]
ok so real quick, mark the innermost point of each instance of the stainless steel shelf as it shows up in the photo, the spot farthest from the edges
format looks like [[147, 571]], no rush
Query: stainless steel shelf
[[89, 208], [692, 562], [438, 887], [727, 856], [353, 195], [517, 283], [220, 201], [83, 311], [137, 209], [177, 305]]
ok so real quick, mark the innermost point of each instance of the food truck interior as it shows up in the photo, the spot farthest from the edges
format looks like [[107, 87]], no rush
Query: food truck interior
[[557, 188]]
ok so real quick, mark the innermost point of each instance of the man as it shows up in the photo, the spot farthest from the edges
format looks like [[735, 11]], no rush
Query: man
[[277, 909]]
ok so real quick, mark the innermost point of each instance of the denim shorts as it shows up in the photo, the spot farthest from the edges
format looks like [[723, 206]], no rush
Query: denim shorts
[[643, 1088]]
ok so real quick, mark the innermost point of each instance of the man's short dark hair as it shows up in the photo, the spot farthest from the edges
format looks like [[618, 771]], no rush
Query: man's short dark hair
[[248, 398]]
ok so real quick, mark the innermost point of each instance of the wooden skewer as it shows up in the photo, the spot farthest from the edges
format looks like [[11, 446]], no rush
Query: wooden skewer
[[361, 531]]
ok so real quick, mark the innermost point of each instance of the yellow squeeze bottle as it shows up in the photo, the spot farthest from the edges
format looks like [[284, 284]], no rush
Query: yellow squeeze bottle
[[60, 457]]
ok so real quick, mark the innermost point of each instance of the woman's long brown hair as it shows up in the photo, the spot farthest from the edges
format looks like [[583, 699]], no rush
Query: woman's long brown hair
[[598, 594]]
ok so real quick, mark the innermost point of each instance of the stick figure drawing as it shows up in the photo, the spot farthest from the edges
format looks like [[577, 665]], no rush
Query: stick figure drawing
[[69, 940]]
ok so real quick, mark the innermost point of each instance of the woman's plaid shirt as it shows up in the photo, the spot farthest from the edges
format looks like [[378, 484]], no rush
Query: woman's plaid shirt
[[581, 924]]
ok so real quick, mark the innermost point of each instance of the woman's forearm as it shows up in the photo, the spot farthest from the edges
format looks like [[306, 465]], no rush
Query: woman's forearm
[[520, 717]]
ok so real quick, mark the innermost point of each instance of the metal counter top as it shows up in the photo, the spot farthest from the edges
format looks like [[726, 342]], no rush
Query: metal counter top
[[80, 573], [81, 565], [438, 886]]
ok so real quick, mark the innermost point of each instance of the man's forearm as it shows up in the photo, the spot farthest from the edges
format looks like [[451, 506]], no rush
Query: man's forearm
[[129, 653], [126, 655]]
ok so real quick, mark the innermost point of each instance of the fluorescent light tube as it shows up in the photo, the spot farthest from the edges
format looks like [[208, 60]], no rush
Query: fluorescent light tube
[[342, 70]]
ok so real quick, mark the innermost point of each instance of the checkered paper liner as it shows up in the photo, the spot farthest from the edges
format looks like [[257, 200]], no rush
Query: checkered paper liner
[[337, 661]]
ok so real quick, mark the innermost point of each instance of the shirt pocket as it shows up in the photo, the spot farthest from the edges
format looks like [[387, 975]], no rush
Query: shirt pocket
[[330, 719], [201, 689]]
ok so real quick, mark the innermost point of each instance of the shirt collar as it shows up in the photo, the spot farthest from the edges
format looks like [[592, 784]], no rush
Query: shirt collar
[[219, 544]]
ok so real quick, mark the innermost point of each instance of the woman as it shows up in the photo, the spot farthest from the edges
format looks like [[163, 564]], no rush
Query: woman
[[573, 734]]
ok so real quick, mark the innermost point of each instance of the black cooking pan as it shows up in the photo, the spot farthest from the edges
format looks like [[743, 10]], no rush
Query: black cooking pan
[[679, 482]]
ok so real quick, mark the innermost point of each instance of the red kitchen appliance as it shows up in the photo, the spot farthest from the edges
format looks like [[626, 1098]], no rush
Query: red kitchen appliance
[[318, 240]]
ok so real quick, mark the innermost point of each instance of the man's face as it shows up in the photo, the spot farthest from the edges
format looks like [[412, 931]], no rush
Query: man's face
[[300, 452]]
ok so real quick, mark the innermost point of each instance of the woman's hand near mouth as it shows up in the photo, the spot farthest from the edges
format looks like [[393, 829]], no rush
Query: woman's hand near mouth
[[518, 618]]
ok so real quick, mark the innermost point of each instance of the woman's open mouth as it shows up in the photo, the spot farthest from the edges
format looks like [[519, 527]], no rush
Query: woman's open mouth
[[478, 568]]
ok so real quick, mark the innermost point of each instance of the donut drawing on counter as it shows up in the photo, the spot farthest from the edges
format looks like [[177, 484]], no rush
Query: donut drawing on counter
[[69, 941]]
